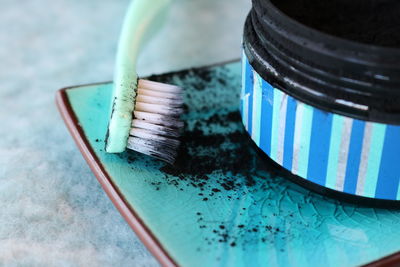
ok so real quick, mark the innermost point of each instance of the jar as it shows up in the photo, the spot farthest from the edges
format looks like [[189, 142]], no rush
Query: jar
[[325, 108]]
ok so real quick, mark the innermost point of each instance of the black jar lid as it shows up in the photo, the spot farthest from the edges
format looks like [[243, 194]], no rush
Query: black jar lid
[[334, 74]]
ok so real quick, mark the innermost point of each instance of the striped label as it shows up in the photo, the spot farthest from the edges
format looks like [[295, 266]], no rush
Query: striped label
[[335, 151]]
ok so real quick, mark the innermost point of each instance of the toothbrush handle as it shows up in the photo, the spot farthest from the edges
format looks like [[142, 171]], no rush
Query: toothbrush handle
[[140, 18]]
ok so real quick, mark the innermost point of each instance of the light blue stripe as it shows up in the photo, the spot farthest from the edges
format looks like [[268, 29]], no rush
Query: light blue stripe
[[297, 137], [289, 133], [248, 76], [334, 147], [243, 91], [398, 193], [374, 159], [305, 141], [281, 129], [275, 123], [245, 110], [247, 94], [257, 100], [250, 111]]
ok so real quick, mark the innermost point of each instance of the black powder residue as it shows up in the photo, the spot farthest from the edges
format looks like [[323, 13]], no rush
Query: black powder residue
[[374, 22], [216, 157], [243, 235], [220, 165], [228, 154], [191, 160]]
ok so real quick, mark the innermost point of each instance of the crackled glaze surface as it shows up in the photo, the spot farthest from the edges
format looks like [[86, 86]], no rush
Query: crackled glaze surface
[[222, 205]]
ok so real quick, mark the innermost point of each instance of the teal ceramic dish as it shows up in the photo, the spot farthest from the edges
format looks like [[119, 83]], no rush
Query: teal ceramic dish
[[223, 205]]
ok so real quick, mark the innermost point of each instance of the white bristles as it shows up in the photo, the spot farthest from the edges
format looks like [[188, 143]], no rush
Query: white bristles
[[149, 135], [159, 101], [162, 87], [158, 119], [159, 94], [148, 148], [156, 122], [158, 109], [159, 129]]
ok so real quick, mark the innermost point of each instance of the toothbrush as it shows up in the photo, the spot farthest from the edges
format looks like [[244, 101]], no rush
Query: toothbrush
[[145, 114]]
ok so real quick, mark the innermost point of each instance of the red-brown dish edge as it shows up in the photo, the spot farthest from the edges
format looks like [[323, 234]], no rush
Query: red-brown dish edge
[[128, 212]]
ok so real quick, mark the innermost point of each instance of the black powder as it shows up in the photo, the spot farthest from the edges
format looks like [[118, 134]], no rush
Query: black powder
[[374, 22], [219, 164], [229, 154]]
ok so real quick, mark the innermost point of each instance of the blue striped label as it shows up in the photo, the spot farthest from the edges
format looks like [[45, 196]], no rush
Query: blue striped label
[[335, 151]]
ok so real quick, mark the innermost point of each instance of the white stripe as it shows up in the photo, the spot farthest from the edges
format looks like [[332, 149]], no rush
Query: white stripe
[[362, 170], [257, 99], [343, 153], [243, 75], [277, 100], [334, 151], [297, 137], [281, 129]]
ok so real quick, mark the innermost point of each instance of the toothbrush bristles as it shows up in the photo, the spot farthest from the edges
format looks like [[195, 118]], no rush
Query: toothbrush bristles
[[156, 124]]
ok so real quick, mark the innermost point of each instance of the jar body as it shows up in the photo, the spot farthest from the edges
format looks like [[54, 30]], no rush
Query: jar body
[[335, 150]]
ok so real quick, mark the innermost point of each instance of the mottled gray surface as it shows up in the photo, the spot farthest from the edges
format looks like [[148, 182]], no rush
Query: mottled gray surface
[[53, 211]]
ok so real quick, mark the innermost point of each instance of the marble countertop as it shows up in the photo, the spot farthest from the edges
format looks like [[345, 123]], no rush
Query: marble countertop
[[54, 212]]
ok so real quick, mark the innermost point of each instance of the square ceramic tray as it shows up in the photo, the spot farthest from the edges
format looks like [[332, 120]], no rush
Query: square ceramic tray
[[221, 205]]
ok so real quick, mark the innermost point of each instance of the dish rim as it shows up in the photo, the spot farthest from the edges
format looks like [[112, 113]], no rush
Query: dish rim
[[127, 211]]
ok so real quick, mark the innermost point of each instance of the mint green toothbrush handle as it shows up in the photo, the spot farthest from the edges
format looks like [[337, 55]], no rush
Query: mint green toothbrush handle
[[139, 19]]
